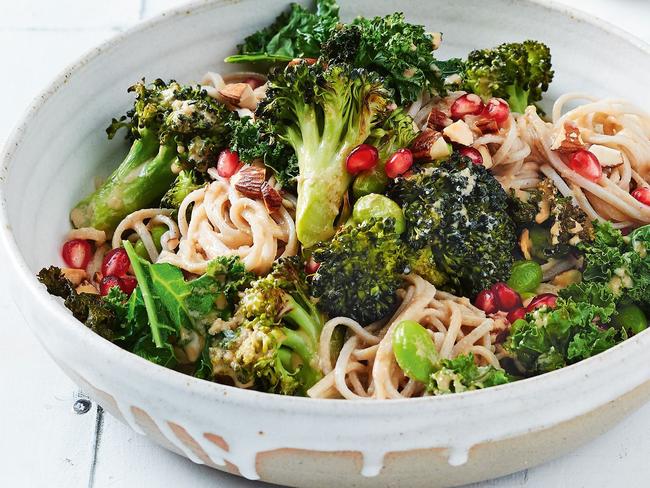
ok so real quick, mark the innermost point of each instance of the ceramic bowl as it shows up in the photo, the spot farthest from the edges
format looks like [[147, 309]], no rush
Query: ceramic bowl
[[60, 145]]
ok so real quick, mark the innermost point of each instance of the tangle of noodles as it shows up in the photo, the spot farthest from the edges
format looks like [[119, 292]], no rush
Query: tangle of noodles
[[224, 222], [141, 222], [366, 366]]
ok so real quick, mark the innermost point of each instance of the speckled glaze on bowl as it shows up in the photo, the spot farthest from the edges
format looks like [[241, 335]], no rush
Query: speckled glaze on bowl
[[58, 148]]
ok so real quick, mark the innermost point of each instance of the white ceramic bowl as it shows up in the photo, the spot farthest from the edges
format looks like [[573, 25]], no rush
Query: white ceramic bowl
[[58, 148]]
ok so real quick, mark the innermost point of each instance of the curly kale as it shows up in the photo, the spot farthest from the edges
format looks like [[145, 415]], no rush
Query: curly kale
[[517, 72], [297, 33], [400, 52], [360, 271], [257, 141], [463, 374], [461, 212], [275, 343]]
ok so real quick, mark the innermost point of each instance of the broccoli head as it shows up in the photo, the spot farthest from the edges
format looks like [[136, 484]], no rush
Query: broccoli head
[[323, 113], [360, 271], [185, 183], [517, 72], [275, 345], [461, 211], [171, 127], [399, 51]]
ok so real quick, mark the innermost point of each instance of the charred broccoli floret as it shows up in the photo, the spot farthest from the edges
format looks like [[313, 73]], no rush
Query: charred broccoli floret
[[459, 210], [517, 72], [275, 346], [399, 51], [185, 183], [360, 271], [323, 113], [169, 125]]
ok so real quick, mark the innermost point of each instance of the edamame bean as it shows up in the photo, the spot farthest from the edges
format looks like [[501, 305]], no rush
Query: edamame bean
[[632, 318], [376, 206], [373, 181], [414, 350], [525, 276], [156, 234]]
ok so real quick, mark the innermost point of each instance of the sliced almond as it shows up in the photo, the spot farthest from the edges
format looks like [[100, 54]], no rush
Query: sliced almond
[[424, 143], [486, 125], [86, 287], [239, 95], [568, 140], [438, 120], [73, 275], [271, 196], [607, 156], [297, 61], [459, 132], [249, 180]]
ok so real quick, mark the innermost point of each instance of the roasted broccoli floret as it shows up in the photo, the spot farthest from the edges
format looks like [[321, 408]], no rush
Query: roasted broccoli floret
[[569, 224], [275, 345], [517, 72], [396, 132], [390, 46], [297, 33], [459, 210], [360, 271], [185, 183], [323, 113], [169, 125], [423, 263], [256, 141]]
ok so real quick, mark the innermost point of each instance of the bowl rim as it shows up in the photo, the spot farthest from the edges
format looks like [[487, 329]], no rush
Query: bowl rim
[[555, 380]]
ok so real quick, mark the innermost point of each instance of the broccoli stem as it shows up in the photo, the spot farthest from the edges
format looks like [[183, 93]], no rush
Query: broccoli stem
[[308, 371], [298, 317], [141, 179]]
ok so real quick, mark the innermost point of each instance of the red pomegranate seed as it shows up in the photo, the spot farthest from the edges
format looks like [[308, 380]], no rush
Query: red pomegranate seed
[[311, 266], [507, 299], [399, 163], [497, 109], [77, 253], [254, 82], [473, 154], [362, 158], [642, 194], [107, 283], [128, 284], [468, 104], [516, 314], [228, 163], [116, 262], [543, 300], [586, 164], [486, 301]]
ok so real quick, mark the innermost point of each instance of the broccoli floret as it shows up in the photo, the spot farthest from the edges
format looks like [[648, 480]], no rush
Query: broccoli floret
[[360, 271], [390, 46], [569, 224], [396, 132], [275, 345], [459, 210], [297, 33], [170, 125], [186, 182], [323, 113], [423, 263], [516, 72], [256, 141]]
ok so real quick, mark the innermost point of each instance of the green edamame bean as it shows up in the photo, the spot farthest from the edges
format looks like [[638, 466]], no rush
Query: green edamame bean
[[156, 234], [632, 318], [373, 181], [414, 350], [525, 276], [376, 206]]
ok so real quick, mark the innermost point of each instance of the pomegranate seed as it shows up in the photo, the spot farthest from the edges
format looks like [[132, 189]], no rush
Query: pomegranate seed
[[507, 299], [77, 253], [254, 82], [228, 163], [497, 109], [468, 104], [107, 283], [311, 266], [516, 314], [543, 300], [586, 164], [362, 158], [116, 262], [642, 194], [473, 154], [399, 163], [128, 284], [486, 301], [626, 230]]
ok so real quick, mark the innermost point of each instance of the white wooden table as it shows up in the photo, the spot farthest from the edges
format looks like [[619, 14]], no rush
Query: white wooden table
[[43, 442]]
